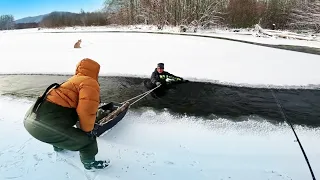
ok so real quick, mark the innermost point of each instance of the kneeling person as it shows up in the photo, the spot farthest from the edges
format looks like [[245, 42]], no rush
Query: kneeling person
[[52, 118]]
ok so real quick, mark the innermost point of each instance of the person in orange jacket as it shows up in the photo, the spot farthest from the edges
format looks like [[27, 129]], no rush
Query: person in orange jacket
[[52, 117]]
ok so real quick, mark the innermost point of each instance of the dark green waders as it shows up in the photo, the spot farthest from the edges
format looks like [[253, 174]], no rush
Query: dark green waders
[[54, 124]]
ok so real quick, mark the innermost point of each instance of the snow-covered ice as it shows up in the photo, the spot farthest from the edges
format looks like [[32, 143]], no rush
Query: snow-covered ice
[[248, 34], [157, 145], [195, 58]]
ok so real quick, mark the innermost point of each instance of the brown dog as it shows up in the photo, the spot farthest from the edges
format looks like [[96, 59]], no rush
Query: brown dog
[[77, 44]]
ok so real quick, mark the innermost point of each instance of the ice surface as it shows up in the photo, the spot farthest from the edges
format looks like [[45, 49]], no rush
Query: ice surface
[[193, 58], [157, 145]]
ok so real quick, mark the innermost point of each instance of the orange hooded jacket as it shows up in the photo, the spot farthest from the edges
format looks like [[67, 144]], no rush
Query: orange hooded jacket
[[82, 92]]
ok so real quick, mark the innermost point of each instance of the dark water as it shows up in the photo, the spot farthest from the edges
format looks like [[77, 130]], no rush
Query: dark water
[[302, 106]]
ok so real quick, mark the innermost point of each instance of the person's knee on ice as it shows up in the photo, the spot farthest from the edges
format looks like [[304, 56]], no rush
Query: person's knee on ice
[[61, 107]]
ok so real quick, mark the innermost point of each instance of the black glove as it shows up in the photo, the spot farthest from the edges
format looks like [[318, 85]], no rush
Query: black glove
[[93, 134]]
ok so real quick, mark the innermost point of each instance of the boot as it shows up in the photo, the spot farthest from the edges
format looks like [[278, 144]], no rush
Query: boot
[[57, 149], [89, 165]]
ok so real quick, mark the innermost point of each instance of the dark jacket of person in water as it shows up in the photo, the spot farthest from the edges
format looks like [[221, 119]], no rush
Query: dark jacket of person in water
[[159, 76]]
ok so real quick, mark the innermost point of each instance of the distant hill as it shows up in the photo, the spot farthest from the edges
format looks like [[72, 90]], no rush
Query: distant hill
[[31, 19], [37, 19]]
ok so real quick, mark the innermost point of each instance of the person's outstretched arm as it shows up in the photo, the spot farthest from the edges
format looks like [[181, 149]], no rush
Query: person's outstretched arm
[[174, 77]]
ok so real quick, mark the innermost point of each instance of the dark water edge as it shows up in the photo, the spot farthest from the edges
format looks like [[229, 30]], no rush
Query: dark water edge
[[207, 100]]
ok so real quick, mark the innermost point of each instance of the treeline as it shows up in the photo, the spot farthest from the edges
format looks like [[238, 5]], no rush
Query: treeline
[[283, 14], [59, 19], [26, 25], [279, 14], [200, 13], [6, 22]]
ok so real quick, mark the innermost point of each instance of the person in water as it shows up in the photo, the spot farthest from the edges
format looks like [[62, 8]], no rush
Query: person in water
[[52, 117], [161, 77]]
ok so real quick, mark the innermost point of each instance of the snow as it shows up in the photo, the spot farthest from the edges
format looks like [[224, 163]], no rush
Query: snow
[[157, 145], [274, 37], [134, 54]]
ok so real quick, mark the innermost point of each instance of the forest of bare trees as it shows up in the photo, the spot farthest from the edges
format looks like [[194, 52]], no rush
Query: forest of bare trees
[[289, 14], [305, 16], [279, 14]]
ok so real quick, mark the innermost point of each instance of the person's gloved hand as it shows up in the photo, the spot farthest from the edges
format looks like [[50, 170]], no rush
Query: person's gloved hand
[[158, 83], [93, 134], [180, 79]]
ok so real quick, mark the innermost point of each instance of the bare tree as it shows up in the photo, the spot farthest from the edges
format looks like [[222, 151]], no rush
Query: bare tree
[[169, 12], [277, 12], [83, 17], [6, 22], [306, 15]]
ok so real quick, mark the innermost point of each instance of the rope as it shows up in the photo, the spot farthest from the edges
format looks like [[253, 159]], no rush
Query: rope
[[284, 117], [140, 98], [143, 95], [120, 109]]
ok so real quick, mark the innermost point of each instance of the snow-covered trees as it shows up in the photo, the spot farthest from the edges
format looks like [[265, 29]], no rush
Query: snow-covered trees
[[6, 22]]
